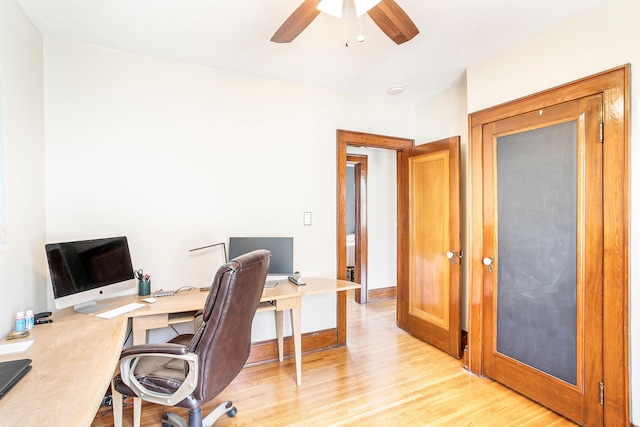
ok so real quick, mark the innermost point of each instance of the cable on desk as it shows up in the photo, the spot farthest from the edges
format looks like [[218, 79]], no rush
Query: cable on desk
[[183, 289], [127, 337], [175, 330]]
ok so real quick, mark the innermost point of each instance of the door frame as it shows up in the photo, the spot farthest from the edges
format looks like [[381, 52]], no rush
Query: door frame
[[361, 254], [356, 139], [614, 85]]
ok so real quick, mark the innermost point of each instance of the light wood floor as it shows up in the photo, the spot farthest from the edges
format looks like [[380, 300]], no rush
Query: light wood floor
[[383, 377]]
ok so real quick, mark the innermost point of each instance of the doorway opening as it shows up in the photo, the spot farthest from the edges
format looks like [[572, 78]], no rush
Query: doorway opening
[[346, 138], [357, 232], [371, 222]]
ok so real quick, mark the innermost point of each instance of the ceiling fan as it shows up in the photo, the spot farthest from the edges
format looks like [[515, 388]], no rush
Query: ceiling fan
[[387, 15]]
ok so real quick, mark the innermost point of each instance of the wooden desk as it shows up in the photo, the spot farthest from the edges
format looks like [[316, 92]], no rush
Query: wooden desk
[[285, 296], [73, 361], [74, 357]]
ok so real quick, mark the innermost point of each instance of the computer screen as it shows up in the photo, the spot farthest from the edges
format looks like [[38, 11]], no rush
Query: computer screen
[[281, 249], [86, 270]]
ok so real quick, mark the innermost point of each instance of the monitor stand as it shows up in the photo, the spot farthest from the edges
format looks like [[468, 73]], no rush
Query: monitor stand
[[89, 307]]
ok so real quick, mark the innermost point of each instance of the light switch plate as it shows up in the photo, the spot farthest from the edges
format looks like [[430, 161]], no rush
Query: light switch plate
[[307, 218]]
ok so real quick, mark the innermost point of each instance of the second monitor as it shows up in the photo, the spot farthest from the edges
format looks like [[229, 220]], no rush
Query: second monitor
[[281, 248]]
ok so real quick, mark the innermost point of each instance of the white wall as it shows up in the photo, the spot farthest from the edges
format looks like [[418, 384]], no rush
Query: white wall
[[603, 38], [382, 223], [22, 263], [444, 116], [176, 157]]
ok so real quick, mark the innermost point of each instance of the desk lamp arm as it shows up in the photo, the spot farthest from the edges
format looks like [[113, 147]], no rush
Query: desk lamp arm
[[224, 249]]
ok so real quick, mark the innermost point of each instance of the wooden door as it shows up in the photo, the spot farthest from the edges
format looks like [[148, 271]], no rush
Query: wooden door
[[429, 243], [543, 256]]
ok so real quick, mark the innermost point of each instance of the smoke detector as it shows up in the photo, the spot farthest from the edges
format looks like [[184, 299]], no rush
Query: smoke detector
[[395, 90]]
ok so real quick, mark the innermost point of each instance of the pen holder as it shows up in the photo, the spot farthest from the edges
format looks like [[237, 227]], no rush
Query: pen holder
[[144, 287]]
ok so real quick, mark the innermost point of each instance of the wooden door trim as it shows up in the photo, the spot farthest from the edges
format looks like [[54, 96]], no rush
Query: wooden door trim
[[614, 85], [362, 234], [356, 139]]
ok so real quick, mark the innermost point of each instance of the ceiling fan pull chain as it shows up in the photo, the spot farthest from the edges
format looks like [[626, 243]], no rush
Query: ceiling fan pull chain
[[346, 20]]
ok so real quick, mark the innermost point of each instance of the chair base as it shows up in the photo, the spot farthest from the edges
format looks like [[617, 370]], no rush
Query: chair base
[[170, 419]]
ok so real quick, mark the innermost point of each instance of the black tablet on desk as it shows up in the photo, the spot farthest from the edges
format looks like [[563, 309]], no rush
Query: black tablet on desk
[[11, 372]]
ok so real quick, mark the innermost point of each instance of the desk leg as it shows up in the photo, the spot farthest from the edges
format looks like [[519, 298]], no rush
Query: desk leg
[[297, 341], [139, 336], [117, 408], [279, 326], [137, 411]]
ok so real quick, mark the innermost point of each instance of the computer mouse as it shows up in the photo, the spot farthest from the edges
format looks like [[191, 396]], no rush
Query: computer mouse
[[149, 300]]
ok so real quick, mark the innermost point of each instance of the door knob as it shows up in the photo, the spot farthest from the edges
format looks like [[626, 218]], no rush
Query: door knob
[[452, 256], [488, 262]]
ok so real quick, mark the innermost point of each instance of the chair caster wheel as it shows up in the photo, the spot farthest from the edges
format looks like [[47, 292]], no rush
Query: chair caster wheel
[[232, 412]]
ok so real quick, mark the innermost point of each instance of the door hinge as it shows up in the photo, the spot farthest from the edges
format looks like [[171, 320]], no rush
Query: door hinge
[[601, 131], [602, 393]]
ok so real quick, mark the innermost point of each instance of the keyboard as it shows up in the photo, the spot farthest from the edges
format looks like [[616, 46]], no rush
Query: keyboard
[[120, 310]]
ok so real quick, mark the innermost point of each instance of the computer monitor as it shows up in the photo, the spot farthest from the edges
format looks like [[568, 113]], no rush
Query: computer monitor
[[281, 248], [87, 270]]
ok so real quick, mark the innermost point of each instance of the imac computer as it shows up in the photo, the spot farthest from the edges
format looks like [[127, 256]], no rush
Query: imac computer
[[87, 270], [281, 248]]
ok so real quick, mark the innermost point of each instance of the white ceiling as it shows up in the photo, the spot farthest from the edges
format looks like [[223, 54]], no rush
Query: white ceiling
[[233, 35]]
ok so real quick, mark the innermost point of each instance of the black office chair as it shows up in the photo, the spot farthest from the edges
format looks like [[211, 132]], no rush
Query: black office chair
[[192, 369]]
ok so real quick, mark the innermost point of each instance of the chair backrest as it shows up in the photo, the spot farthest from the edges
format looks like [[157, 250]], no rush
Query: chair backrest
[[223, 341]]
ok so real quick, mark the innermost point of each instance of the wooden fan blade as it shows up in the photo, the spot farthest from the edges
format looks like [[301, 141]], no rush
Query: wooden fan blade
[[393, 21], [297, 21]]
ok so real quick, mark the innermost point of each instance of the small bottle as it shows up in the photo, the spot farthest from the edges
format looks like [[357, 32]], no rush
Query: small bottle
[[21, 324], [29, 320]]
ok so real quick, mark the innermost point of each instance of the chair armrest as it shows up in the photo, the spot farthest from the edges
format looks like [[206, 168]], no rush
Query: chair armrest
[[197, 319], [165, 348], [129, 362]]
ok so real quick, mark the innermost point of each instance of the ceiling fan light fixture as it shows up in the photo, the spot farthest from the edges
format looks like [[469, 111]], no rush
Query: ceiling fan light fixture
[[332, 7], [386, 14], [363, 6]]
